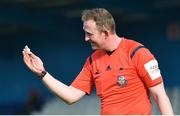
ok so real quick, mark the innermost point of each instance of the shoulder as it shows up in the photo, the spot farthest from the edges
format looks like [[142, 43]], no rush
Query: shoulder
[[131, 46], [137, 50], [97, 54]]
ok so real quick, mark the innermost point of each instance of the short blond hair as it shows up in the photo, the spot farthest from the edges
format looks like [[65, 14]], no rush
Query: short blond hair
[[102, 18]]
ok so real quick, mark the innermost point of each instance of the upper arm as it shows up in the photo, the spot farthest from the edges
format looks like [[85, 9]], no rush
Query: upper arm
[[157, 90], [84, 81], [147, 67]]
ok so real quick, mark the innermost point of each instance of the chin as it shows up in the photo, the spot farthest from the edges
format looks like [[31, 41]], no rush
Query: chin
[[93, 47]]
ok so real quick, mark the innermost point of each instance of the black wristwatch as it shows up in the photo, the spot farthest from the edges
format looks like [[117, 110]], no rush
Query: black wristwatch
[[42, 75]]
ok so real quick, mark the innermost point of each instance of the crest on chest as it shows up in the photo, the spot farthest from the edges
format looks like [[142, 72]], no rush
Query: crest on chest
[[122, 81]]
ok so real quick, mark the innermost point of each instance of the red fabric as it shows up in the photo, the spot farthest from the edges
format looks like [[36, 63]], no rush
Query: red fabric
[[128, 96]]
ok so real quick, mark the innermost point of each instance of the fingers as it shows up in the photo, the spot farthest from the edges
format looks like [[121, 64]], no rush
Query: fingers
[[33, 55], [27, 59], [26, 51], [27, 56], [31, 60]]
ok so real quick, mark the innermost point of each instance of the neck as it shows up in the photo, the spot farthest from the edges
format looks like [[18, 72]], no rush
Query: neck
[[113, 42]]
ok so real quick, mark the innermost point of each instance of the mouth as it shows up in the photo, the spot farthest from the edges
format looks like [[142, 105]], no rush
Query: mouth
[[92, 43]]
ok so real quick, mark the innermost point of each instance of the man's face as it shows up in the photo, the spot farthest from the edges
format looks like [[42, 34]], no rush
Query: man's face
[[93, 35]]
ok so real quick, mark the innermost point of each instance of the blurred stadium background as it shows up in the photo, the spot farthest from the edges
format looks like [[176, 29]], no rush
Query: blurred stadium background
[[53, 30]]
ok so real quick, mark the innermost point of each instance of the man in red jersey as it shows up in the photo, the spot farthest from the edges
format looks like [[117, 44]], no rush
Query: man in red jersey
[[123, 71]]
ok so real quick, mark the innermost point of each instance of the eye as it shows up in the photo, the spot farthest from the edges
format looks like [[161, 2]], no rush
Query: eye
[[88, 34]]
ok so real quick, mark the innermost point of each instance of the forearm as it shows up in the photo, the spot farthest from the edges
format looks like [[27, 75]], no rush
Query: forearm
[[66, 93], [162, 100], [164, 105]]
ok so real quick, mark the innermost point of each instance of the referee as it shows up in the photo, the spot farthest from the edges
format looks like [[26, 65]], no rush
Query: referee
[[124, 72]]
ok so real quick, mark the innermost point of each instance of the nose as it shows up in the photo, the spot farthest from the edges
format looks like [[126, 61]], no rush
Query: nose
[[87, 38]]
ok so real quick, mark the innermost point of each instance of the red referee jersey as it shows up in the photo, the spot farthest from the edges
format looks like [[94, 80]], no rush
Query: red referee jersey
[[121, 79]]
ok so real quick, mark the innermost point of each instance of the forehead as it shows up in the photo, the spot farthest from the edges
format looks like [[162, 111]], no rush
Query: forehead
[[89, 25]]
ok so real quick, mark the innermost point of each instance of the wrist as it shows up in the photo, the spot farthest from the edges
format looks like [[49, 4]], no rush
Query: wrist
[[42, 74]]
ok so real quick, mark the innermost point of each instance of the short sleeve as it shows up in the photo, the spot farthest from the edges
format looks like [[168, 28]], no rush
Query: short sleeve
[[84, 81], [147, 67]]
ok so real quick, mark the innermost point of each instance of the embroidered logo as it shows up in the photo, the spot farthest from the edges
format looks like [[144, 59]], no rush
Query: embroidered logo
[[122, 81]]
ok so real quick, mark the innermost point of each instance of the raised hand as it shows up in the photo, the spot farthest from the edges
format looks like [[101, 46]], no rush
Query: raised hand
[[33, 62]]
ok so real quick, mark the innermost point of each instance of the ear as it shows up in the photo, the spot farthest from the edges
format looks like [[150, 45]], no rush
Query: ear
[[106, 31]]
